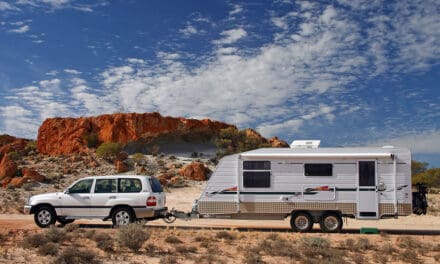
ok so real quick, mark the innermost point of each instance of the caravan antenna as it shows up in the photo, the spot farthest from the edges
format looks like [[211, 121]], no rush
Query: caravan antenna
[[305, 144]]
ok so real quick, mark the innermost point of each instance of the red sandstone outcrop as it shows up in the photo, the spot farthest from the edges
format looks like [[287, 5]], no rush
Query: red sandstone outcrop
[[9, 143], [195, 171], [70, 135], [275, 142], [33, 175], [8, 168]]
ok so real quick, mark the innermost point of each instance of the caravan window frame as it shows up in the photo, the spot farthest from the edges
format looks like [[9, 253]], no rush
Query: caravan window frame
[[331, 165], [256, 171]]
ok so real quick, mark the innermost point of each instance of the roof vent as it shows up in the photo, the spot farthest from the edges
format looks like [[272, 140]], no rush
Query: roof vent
[[305, 144]]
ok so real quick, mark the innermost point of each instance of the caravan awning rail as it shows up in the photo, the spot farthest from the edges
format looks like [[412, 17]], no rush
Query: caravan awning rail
[[318, 155]]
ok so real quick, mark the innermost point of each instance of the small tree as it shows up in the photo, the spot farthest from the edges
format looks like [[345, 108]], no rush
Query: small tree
[[91, 140], [108, 150]]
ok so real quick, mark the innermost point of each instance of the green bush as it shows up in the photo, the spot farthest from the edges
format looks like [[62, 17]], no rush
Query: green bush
[[91, 140], [132, 236], [14, 155], [138, 157], [55, 234], [31, 146], [108, 150]]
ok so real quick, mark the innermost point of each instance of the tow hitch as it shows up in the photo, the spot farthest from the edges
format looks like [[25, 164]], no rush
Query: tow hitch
[[172, 215]]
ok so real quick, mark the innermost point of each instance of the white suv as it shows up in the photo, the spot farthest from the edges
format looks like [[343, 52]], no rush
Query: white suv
[[121, 198]]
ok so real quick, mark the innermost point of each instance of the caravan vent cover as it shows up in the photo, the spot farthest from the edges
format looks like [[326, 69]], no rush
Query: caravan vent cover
[[305, 144]]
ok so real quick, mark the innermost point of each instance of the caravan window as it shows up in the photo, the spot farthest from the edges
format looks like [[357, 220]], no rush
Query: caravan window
[[256, 165], [256, 179], [318, 169]]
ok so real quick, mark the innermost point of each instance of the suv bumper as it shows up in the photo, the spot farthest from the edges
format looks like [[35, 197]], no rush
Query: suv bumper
[[149, 212], [27, 209]]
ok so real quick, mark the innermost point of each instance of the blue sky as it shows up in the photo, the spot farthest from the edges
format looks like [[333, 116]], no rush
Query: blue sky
[[346, 72]]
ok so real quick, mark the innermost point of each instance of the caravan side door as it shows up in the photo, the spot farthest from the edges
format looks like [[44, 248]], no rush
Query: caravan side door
[[368, 207]]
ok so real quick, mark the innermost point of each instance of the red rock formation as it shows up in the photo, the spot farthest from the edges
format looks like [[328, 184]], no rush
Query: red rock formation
[[68, 135], [8, 168], [275, 142], [9, 143], [120, 166], [18, 182], [33, 174], [195, 171]]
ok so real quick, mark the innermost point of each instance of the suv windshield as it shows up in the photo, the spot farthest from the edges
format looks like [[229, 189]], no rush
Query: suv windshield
[[155, 185]]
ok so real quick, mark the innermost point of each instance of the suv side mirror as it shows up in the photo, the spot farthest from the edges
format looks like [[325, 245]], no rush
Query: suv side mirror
[[67, 191]]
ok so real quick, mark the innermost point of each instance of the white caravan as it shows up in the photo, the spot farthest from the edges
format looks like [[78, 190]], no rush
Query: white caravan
[[310, 184]]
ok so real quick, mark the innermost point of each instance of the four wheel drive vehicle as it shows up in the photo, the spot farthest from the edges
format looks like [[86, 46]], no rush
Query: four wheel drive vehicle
[[121, 198]]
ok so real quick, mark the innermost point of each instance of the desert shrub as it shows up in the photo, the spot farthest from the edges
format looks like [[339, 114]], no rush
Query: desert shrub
[[315, 242], [380, 258], [89, 234], [48, 249], [31, 146], [437, 257], [359, 258], [73, 255], [138, 157], [409, 243], [71, 228], [225, 235], [194, 154], [363, 244], [55, 234], [185, 249], [155, 150], [273, 236], [172, 239], [91, 140], [108, 150], [14, 155], [200, 238], [168, 259], [172, 157], [252, 256], [409, 256], [387, 249], [132, 236], [104, 241], [28, 186], [34, 241]]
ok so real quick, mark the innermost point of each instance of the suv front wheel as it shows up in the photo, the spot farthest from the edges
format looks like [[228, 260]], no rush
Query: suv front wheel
[[44, 216], [122, 216]]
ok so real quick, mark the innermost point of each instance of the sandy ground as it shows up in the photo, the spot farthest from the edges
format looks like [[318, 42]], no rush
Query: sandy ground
[[182, 199]]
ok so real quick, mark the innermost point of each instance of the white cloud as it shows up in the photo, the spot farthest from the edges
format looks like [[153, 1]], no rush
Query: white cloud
[[189, 30], [231, 36], [237, 9], [20, 30], [425, 142], [4, 6], [72, 71]]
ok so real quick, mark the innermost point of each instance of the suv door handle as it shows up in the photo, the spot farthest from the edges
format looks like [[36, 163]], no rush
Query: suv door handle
[[86, 198], [112, 197]]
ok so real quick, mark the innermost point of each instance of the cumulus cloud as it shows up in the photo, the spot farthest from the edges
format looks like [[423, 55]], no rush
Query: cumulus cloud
[[297, 79], [231, 36], [189, 30], [72, 71], [422, 143], [5, 6], [20, 30]]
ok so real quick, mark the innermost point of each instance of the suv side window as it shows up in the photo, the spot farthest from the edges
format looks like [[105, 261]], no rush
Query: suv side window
[[83, 186], [105, 186], [155, 185], [129, 185]]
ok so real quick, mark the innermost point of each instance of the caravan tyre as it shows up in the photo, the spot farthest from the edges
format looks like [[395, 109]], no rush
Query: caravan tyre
[[331, 223], [301, 222]]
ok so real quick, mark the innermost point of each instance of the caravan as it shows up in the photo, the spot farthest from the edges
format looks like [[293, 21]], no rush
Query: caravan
[[310, 185]]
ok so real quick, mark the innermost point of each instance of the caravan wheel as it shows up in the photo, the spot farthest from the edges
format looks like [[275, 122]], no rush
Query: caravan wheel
[[331, 223], [301, 222]]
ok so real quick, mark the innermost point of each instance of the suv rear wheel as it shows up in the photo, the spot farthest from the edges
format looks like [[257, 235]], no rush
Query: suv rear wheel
[[122, 216], [44, 216]]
